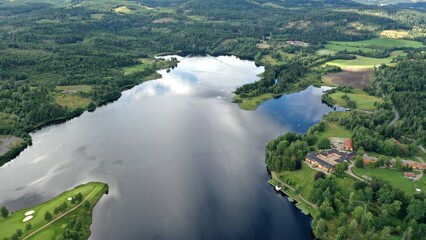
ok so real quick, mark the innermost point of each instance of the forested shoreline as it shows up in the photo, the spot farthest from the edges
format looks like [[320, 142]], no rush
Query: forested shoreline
[[61, 58]]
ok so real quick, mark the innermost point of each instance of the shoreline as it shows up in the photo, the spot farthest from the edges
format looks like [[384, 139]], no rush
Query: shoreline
[[14, 152]]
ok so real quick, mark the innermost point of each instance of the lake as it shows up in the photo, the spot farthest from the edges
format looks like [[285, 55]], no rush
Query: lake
[[182, 161]]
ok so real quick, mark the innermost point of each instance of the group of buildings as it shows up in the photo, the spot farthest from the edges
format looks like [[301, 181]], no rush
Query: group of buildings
[[327, 160]]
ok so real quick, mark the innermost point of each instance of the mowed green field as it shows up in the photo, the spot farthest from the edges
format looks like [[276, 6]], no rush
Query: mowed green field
[[363, 101], [333, 130], [9, 225], [304, 178], [394, 177], [373, 44], [364, 62]]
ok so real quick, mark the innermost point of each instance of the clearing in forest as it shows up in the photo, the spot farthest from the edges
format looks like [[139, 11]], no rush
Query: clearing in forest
[[394, 34], [363, 101]]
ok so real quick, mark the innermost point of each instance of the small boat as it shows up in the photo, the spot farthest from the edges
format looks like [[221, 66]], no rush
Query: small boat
[[277, 188]]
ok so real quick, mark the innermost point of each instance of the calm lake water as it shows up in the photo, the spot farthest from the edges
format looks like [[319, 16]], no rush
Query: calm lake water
[[182, 161]]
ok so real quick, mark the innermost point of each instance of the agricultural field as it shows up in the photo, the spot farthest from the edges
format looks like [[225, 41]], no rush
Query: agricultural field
[[122, 9], [394, 177], [8, 142], [91, 193], [363, 101], [363, 62], [356, 78], [395, 34], [372, 45]]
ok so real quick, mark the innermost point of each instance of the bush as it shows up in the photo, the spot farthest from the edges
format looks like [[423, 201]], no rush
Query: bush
[[324, 143]]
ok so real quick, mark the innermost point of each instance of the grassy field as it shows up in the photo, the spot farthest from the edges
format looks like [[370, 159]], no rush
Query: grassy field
[[341, 46], [394, 34], [364, 62], [372, 44], [326, 52], [303, 178], [251, 103], [363, 101], [394, 177], [333, 130], [269, 60], [9, 225], [122, 9], [145, 62], [72, 101]]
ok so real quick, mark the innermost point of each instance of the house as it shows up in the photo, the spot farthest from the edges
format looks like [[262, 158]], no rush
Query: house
[[409, 175], [368, 160], [348, 145], [413, 165], [327, 160]]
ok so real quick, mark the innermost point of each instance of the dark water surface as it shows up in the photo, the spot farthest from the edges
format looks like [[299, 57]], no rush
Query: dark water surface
[[181, 160]]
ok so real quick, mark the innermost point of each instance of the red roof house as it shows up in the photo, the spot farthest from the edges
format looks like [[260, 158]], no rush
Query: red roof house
[[409, 175], [349, 145]]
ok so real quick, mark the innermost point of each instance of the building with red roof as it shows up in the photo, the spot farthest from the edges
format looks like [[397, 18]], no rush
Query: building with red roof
[[348, 145]]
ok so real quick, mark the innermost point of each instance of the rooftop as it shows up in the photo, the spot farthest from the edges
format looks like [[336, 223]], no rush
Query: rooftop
[[330, 158]]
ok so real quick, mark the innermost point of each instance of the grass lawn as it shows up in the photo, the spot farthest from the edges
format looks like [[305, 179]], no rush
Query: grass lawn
[[363, 100], [304, 178], [346, 184], [9, 225], [364, 62], [394, 177], [333, 130]]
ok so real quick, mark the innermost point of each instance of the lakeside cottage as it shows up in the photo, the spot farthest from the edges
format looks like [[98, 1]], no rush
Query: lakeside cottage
[[327, 160]]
